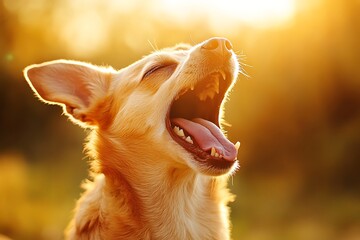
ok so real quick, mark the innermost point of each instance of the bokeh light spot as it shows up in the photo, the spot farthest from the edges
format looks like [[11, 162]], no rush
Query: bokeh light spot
[[9, 57]]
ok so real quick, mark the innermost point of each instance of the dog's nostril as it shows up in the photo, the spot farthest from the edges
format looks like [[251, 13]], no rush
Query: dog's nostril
[[218, 44], [211, 44]]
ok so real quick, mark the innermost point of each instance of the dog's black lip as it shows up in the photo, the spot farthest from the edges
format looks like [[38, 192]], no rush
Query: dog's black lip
[[200, 155]]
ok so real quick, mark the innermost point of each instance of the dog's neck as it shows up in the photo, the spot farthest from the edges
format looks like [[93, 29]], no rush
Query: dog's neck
[[171, 202], [178, 206]]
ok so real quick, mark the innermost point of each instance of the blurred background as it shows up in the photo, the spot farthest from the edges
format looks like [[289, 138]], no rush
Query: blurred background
[[296, 114]]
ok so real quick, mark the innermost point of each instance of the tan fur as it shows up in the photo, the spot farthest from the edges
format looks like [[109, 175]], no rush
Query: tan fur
[[143, 184]]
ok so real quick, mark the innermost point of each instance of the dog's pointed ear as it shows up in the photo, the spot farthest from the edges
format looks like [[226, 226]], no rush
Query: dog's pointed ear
[[79, 87]]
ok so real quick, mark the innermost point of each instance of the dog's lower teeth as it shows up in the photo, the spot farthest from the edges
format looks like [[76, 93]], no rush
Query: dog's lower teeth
[[189, 140], [213, 151], [176, 129], [181, 133]]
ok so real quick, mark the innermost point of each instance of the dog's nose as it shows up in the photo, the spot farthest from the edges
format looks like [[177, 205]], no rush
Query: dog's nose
[[222, 45]]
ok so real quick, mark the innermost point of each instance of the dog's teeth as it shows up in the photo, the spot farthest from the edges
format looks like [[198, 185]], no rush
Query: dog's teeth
[[183, 92], [223, 75], [216, 154], [237, 145], [192, 87], [217, 86], [213, 151], [189, 140], [181, 133], [211, 95], [220, 156], [202, 96]]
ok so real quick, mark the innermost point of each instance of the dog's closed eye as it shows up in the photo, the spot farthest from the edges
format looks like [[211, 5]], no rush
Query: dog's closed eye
[[152, 70]]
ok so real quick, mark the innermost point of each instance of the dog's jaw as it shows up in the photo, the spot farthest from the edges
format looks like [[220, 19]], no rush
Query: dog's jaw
[[196, 109], [175, 88]]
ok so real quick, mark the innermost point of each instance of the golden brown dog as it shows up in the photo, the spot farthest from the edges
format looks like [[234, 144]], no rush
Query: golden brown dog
[[160, 161]]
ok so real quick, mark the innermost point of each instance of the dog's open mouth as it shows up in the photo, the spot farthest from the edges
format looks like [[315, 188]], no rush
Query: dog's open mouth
[[193, 122]]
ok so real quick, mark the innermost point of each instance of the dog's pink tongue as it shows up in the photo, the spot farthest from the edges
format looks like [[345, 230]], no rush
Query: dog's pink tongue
[[208, 135]]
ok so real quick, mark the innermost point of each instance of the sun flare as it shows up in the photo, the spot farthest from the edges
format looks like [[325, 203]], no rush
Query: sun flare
[[83, 26], [227, 12]]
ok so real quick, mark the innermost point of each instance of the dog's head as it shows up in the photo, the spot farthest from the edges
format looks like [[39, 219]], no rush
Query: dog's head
[[165, 106]]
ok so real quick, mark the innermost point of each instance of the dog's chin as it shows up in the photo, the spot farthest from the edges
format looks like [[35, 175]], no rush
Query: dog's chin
[[193, 122], [210, 168]]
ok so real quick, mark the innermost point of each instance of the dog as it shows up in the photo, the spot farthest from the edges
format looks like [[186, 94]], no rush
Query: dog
[[160, 161]]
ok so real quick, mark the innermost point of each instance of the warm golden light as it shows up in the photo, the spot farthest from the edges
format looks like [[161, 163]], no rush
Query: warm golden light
[[84, 26], [222, 14], [297, 115]]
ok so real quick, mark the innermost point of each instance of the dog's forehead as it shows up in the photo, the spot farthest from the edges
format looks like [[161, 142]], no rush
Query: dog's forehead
[[165, 55]]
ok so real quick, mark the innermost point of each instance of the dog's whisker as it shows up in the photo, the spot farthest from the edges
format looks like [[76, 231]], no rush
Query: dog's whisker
[[241, 56], [243, 72], [191, 39], [153, 46]]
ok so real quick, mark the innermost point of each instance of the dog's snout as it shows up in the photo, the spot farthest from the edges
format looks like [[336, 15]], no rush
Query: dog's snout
[[221, 45]]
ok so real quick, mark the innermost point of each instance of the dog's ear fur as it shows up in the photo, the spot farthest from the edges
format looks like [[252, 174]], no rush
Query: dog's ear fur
[[79, 87]]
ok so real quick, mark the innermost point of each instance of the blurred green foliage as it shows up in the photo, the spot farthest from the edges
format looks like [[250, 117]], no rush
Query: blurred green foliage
[[297, 115]]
